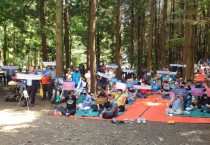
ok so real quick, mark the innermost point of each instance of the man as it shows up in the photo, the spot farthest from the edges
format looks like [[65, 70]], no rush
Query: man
[[38, 70], [46, 85], [120, 98], [32, 86], [70, 103], [76, 77], [110, 109], [86, 105], [52, 79], [177, 106]]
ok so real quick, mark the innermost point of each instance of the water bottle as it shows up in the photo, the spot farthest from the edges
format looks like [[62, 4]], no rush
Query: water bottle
[[100, 116], [55, 111], [75, 117], [167, 104], [167, 112], [90, 112]]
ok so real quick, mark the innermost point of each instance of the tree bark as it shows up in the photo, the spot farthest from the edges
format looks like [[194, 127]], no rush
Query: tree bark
[[191, 40], [42, 20], [164, 35], [132, 34], [5, 46], [118, 39], [35, 59], [88, 47], [207, 49], [59, 38], [140, 51], [66, 37], [98, 49], [92, 20], [149, 58]]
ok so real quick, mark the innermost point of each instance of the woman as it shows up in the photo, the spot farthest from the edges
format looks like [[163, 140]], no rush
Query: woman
[[82, 85], [69, 75]]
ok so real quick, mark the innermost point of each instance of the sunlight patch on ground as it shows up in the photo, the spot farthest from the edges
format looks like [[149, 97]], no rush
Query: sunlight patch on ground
[[12, 119]]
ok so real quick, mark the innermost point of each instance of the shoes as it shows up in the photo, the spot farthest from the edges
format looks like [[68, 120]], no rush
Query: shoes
[[43, 99], [144, 120], [32, 105], [24, 105], [138, 120]]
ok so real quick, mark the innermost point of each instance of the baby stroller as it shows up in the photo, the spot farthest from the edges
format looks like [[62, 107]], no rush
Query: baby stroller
[[16, 93]]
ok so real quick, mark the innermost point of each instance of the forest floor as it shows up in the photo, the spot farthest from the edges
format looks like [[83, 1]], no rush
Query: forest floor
[[36, 127]]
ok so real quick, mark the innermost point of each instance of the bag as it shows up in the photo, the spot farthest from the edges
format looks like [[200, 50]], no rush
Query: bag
[[41, 91]]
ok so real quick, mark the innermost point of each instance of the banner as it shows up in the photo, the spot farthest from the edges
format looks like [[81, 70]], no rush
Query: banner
[[173, 73], [208, 92], [137, 87], [162, 72], [28, 76], [49, 63], [112, 66], [165, 79], [59, 81], [180, 92], [9, 67], [128, 70], [68, 86], [108, 76], [197, 91], [178, 65], [46, 72], [120, 86], [129, 84]]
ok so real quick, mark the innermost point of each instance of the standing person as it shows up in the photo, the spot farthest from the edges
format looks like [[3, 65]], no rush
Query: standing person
[[52, 79], [10, 73], [69, 75], [46, 86], [32, 86], [76, 77], [38, 70]]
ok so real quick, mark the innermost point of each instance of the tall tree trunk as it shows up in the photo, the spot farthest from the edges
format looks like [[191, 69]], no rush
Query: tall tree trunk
[[92, 20], [66, 37], [118, 39], [5, 46], [59, 38], [42, 20], [156, 46], [98, 49], [88, 48], [132, 34], [14, 41], [140, 51], [191, 40], [207, 49], [149, 58], [35, 59], [164, 35]]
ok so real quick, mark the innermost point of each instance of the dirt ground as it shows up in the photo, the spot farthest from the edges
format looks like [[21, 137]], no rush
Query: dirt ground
[[36, 127]]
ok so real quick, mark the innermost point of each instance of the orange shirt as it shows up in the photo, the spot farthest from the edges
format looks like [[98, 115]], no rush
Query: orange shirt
[[45, 80]]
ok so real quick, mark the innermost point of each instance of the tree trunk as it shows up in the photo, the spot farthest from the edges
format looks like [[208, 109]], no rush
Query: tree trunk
[[207, 49], [42, 20], [164, 26], [191, 40], [35, 59], [132, 34], [98, 49], [140, 51], [118, 39], [5, 47], [92, 20], [66, 37], [88, 48], [59, 38], [149, 58]]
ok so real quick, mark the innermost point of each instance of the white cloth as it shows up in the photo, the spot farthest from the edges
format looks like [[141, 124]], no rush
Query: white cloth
[[29, 82], [80, 106]]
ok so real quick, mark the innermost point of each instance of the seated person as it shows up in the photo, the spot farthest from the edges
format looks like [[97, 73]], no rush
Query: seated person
[[86, 105], [131, 95], [110, 109], [82, 85], [120, 98], [176, 105], [206, 106], [165, 89], [70, 103], [172, 84], [154, 87], [143, 92], [96, 107]]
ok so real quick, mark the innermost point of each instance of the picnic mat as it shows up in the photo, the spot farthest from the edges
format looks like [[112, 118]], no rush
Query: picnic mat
[[195, 113], [153, 109]]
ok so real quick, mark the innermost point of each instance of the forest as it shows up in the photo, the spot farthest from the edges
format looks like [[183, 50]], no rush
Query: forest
[[134, 34]]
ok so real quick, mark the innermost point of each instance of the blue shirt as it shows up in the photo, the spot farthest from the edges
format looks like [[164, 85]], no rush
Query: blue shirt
[[76, 77], [88, 99]]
